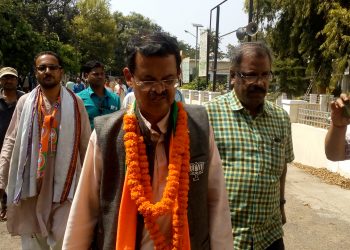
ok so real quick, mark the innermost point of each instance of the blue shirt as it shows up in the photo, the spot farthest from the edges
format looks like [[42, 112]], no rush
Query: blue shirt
[[78, 87], [97, 106]]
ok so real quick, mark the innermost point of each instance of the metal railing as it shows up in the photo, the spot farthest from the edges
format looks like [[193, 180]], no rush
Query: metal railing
[[198, 97], [316, 118]]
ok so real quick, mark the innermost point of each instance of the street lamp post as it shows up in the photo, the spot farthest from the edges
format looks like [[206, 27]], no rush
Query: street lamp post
[[250, 17], [196, 54]]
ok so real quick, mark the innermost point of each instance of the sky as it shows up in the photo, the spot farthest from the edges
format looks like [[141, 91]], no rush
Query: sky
[[175, 16]]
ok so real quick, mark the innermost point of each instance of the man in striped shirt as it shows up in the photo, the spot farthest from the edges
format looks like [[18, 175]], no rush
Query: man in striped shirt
[[254, 140]]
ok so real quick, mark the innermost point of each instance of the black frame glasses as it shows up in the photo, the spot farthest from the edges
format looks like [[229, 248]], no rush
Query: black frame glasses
[[252, 77], [147, 85]]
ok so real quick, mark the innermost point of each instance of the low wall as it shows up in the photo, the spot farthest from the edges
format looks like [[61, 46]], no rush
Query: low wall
[[308, 145]]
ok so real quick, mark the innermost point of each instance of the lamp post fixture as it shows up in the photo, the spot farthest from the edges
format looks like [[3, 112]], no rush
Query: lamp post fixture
[[190, 33]]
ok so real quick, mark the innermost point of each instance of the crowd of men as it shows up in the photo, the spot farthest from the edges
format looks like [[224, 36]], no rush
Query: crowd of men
[[83, 171]]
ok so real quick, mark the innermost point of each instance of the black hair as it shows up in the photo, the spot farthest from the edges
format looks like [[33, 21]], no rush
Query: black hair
[[152, 44], [258, 49], [60, 62], [87, 68]]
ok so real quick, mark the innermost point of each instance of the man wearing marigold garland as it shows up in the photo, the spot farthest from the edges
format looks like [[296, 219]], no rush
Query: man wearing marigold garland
[[152, 177]]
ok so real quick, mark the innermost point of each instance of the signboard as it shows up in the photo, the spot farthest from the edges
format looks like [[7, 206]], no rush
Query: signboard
[[203, 46], [185, 66]]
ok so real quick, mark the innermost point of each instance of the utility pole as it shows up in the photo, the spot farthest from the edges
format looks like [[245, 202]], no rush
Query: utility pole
[[216, 46], [217, 7], [250, 17], [196, 54]]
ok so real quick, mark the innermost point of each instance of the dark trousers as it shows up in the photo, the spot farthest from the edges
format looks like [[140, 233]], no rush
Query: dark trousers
[[277, 245], [3, 201]]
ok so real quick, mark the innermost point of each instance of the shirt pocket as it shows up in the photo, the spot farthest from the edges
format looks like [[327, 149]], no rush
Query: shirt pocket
[[274, 156]]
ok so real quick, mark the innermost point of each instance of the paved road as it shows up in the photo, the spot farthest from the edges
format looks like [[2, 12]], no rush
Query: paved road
[[318, 215]]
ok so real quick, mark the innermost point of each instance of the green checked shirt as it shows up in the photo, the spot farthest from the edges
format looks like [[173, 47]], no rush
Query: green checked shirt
[[254, 152]]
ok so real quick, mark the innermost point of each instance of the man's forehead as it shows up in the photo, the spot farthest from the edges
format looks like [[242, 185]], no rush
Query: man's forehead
[[97, 69], [46, 58], [145, 63]]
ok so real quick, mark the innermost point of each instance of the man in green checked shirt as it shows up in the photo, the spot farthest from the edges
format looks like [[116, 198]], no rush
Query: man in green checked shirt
[[254, 139]]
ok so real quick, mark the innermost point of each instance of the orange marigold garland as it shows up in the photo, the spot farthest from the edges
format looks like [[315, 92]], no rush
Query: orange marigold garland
[[175, 195]]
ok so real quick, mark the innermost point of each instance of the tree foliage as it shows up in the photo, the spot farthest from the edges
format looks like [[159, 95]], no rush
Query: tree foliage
[[79, 30], [309, 38], [18, 41], [127, 27], [95, 30]]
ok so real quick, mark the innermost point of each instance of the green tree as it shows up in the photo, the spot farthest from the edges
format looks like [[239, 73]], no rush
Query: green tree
[[315, 38], [187, 50], [95, 31], [18, 41], [337, 36], [51, 16], [127, 27]]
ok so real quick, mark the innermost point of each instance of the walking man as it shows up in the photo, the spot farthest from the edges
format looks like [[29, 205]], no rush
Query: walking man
[[41, 158], [152, 177], [9, 96], [78, 86], [255, 144], [97, 99]]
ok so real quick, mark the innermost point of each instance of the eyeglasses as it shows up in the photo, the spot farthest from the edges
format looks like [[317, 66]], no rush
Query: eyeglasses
[[253, 77], [147, 85], [43, 68]]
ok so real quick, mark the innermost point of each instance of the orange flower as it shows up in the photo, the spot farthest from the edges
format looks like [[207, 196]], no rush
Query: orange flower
[[175, 195]]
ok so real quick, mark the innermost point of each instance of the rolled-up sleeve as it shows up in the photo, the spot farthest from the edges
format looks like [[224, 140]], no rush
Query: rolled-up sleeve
[[220, 227], [84, 212]]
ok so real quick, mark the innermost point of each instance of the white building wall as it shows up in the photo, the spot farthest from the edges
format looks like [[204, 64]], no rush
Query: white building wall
[[308, 145]]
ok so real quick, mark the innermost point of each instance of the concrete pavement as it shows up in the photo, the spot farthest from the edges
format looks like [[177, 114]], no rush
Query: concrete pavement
[[318, 215]]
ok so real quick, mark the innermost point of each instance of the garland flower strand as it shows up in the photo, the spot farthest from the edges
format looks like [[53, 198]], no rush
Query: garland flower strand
[[175, 196]]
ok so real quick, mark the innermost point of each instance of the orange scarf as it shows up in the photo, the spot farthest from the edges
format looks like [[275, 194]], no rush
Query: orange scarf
[[137, 190], [48, 127]]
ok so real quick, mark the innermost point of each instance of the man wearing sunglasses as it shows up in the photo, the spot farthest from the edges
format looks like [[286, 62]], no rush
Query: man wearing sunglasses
[[152, 177], [41, 159], [255, 143]]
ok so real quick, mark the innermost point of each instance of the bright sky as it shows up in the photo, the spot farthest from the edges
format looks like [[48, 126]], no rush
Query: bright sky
[[175, 16]]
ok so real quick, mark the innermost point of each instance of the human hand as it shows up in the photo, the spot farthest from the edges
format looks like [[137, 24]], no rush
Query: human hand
[[283, 215], [338, 111]]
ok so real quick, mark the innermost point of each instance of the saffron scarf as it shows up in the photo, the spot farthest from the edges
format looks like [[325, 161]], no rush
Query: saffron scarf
[[48, 126], [24, 161], [137, 190]]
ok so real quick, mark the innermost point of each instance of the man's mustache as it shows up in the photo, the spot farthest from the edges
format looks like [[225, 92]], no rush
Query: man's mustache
[[256, 89], [155, 95]]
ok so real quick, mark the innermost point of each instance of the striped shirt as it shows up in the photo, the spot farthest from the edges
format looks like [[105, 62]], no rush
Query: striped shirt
[[254, 152]]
